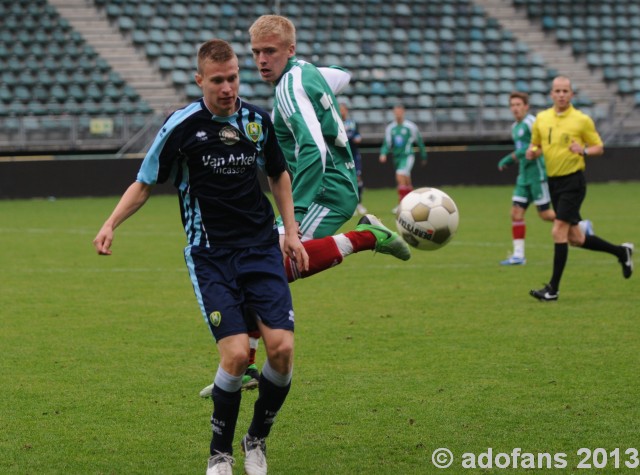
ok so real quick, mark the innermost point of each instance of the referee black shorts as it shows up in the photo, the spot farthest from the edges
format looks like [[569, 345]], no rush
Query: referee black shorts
[[567, 194]]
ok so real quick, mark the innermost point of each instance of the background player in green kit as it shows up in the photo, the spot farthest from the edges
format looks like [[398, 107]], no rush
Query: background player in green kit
[[531, 184], [400, 137]]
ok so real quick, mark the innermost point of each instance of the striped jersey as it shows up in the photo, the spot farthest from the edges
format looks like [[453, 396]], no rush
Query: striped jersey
[[529, 171], [314, 141], [213, 162], [399, 139]]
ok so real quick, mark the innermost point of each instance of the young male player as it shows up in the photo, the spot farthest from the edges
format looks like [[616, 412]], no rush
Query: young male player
[[355, 139], [400, 137], [315, 144], [211, 150], [531, 184]]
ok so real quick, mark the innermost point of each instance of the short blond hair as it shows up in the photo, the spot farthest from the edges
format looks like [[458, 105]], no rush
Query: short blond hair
[[216, 51], [274, 25]]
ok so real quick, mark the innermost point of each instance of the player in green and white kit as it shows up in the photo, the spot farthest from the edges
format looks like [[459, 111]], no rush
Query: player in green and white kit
[[531, 184], [312, 135], [324, 177], [400, 137], [315, 144]]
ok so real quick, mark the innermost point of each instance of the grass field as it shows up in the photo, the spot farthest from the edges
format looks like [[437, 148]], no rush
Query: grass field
[[102, 357]]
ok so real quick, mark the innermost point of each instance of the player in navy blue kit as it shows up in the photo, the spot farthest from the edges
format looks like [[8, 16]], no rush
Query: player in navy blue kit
[[353, 134], [211, 150]]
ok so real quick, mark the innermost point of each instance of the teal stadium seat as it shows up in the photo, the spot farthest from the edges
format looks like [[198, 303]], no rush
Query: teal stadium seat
[[377, 102], [56, 55]]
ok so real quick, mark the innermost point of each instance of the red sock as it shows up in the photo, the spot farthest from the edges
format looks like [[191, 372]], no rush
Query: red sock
[[361, 240], [404, 190], [323, 254], [252, 351], [518, 229]]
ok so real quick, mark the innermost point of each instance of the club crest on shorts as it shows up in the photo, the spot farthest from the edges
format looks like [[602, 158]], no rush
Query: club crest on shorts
[[254, 130], [215, 318], [229, 135]]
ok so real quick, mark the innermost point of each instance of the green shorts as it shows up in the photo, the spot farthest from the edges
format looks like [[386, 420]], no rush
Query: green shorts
[[404, 165], [536, 192], [320, 221]]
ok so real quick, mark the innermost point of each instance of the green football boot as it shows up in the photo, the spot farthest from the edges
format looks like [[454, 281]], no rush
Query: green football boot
[[250, 380], [387, 241]]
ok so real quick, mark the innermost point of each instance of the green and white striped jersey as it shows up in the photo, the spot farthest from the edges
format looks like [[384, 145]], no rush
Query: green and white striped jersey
[[400, 140], [314, 141], [529, 171]]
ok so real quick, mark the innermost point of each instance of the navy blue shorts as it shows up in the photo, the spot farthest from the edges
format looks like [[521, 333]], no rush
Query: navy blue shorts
[[231, 284], [567, 195]]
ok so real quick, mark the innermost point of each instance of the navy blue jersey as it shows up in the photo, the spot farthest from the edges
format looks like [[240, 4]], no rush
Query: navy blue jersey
[[213, 162], [351, 128]]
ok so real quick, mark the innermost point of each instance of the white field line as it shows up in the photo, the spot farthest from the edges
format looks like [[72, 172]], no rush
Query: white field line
[[87, 231]]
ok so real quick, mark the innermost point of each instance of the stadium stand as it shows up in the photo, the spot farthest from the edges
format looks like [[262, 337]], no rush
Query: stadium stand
[[452, 63], [604, 36], [54, 83], [445, 54]]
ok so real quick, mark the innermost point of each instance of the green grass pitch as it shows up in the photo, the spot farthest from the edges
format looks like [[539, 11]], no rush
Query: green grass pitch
[[102, 357]]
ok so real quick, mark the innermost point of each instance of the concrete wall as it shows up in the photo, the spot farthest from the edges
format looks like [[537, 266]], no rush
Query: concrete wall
[[21, 178], [479, 166]]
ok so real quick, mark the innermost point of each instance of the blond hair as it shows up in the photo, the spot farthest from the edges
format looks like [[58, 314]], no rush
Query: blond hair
[[278, 25]]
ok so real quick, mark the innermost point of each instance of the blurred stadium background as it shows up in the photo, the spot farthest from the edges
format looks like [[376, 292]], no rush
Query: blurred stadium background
[[89, 79]]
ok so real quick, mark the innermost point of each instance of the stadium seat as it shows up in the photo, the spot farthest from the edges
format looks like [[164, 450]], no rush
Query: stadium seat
[[408, 48], [410, 88], [6, 95], [193, 91], [424, 116]]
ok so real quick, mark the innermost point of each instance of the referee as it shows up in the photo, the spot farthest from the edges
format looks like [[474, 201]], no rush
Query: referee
[[566, 136]]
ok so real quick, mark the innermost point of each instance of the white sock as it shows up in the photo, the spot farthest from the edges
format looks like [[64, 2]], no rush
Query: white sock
[[253, 342], [518, 248], [344, 244]]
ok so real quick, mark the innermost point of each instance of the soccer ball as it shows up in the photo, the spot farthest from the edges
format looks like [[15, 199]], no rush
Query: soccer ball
[[427, 218]]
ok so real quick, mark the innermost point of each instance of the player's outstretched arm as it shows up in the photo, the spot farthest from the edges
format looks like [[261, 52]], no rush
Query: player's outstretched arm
[[292, 247], [131, 201]]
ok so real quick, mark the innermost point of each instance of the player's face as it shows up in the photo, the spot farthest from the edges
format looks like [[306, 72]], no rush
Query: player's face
[[518, 108], [219, 83], [561, 94], [271, 54], [398, 112], [344, 112]]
